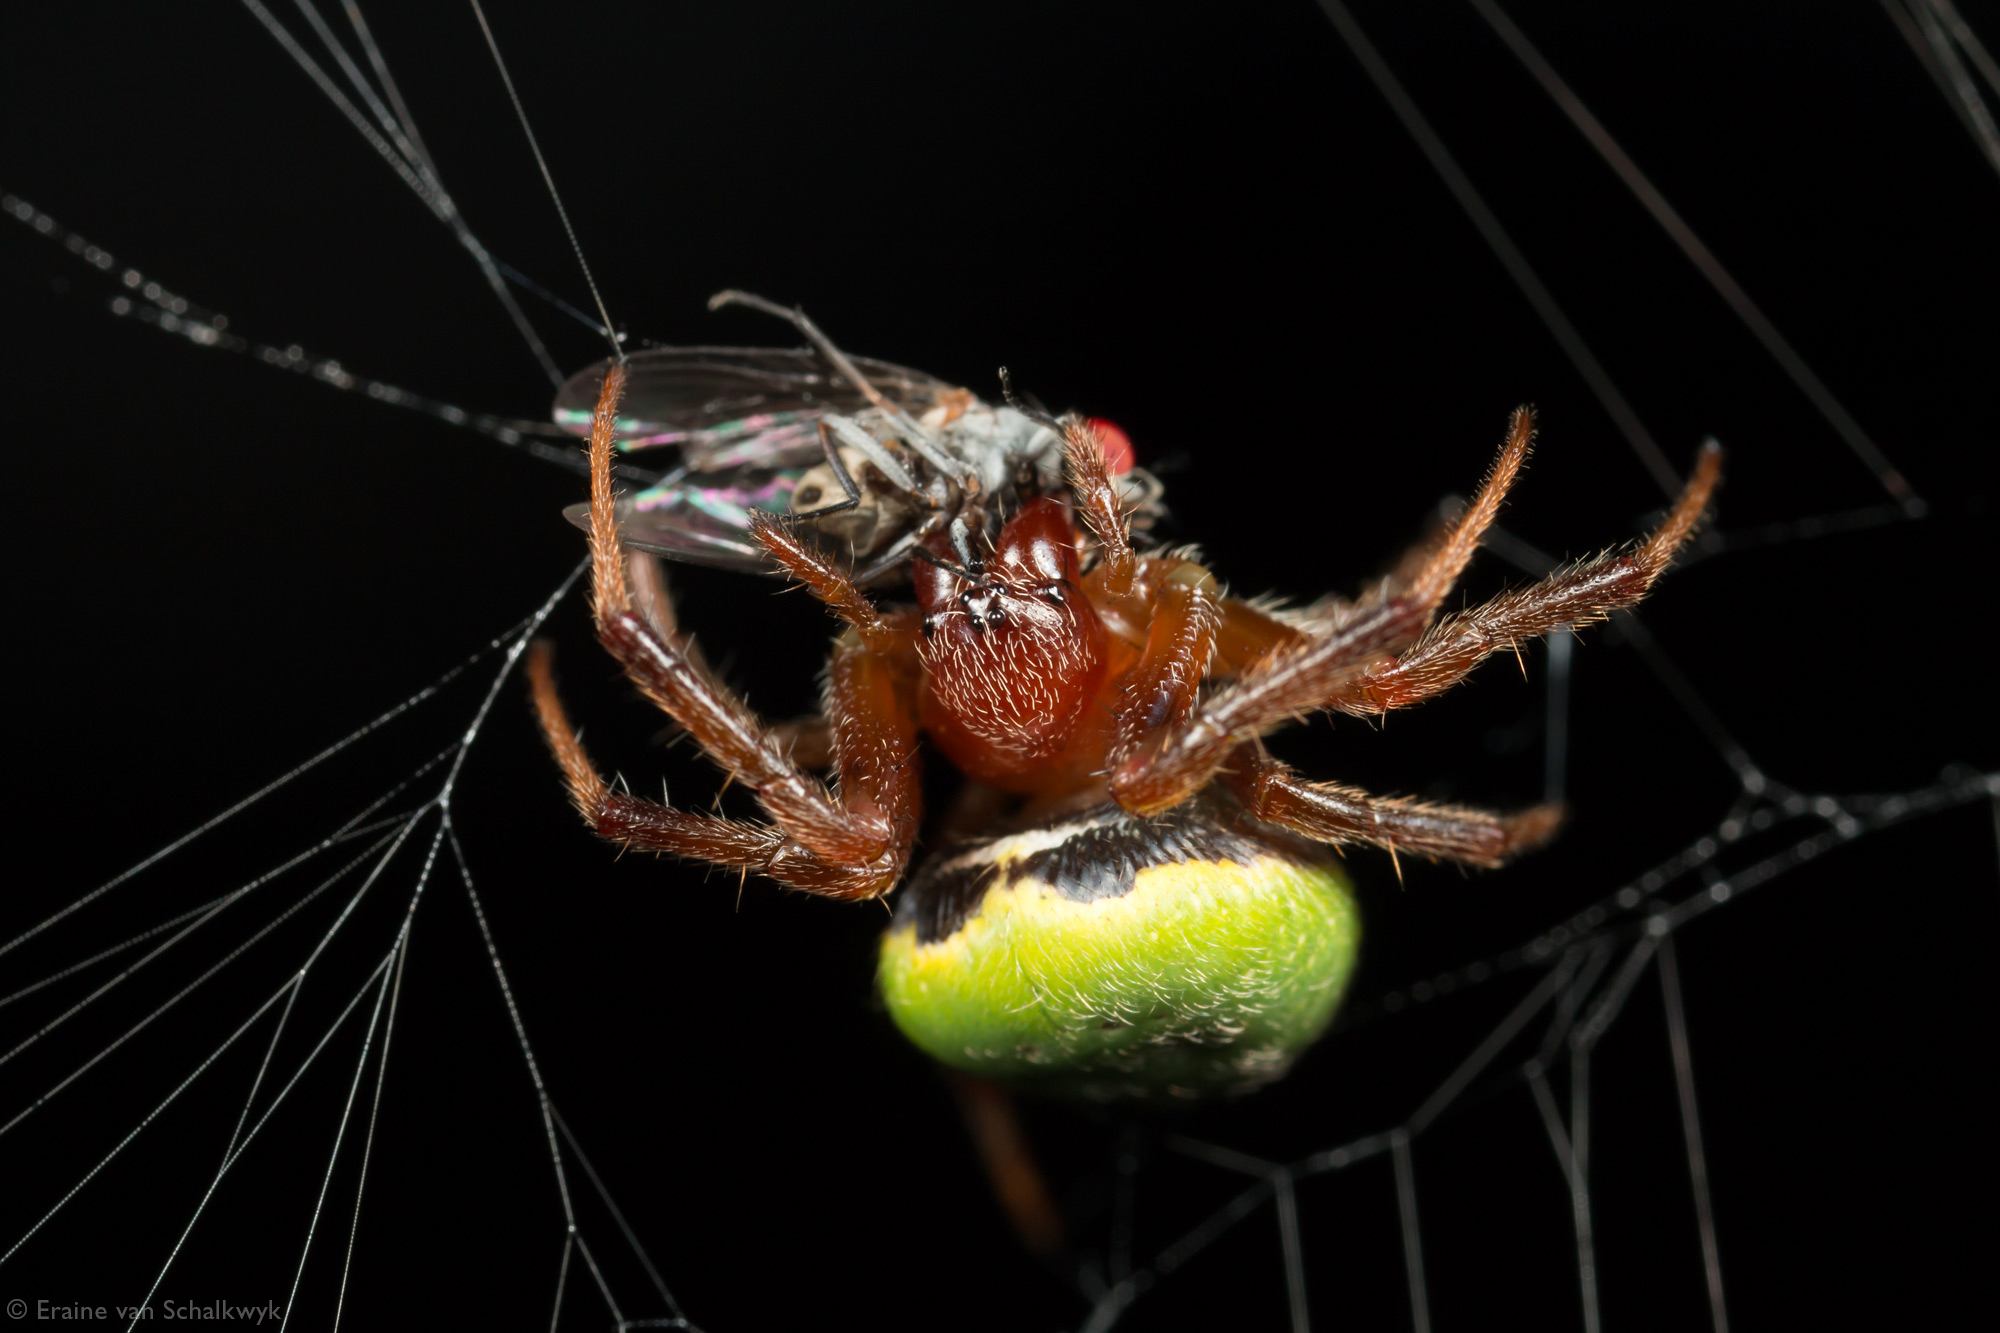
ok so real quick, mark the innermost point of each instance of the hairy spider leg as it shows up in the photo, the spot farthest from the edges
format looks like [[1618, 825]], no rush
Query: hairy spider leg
[[1163, 688], [1249, 633], [1451, 648], [1246, 635], [833, 586], [632, 822], [1334, 813], [722, 725], [1332, 612], [1584, 592], [855, 845], [1097, 501], [1182, 759], [809, 739], [817, 741]]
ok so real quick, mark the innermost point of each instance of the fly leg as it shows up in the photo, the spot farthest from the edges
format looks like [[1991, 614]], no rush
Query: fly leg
[[840, 474], [914, 433]]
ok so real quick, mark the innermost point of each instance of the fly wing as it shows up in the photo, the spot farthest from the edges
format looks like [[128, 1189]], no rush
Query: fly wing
[[718, 403], [746, 422], [703, 518]]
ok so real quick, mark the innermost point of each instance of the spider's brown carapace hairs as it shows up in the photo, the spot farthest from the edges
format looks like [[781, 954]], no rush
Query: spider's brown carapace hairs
[[1013, 654]]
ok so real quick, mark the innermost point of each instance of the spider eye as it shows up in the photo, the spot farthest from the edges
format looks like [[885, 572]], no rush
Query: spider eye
[[985, 607]]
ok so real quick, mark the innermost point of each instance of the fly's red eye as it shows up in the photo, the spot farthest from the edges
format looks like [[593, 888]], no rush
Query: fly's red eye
[[1119, 456]]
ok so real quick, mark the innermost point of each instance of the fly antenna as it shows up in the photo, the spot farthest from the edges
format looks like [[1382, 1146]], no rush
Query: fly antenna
[[1028, 406], [555, 196]]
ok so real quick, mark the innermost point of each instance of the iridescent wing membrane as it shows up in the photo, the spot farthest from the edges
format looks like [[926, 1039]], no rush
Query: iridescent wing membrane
[[746, 421]]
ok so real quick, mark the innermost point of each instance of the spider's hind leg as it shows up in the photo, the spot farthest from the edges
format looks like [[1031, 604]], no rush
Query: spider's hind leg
[[1332, 813]]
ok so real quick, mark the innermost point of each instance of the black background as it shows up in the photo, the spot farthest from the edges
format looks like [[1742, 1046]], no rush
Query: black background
[[1207, 227]]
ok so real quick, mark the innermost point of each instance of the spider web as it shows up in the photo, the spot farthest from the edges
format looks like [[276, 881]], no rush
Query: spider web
[[312, 1052]]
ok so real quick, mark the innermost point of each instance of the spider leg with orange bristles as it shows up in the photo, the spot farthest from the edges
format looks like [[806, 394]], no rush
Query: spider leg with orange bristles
[[871, 822], [654, 826], [1586, 591], [1357, 667], [1333, 813], [1286, 683]]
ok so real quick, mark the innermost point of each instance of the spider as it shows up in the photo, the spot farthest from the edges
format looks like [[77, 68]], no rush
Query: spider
[[1132, 899]]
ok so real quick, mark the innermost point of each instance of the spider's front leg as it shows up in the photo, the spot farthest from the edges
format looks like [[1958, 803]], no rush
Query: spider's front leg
[[1572, 596], [1378, 660], [866, 705], [808, 739], [852, 845], [632, 821], [1179, 759]]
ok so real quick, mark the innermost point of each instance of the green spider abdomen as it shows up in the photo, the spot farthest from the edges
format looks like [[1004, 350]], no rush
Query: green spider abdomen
[[1111, 957]]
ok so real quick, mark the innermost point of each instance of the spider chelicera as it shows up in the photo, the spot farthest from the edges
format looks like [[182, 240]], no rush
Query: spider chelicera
[[1131, 898]]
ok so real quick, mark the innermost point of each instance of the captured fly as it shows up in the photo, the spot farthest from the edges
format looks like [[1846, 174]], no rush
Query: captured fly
[[878, 457]]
